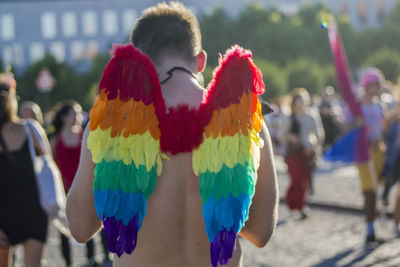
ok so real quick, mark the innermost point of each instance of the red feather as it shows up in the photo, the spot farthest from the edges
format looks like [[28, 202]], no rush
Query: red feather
[[235, 75]]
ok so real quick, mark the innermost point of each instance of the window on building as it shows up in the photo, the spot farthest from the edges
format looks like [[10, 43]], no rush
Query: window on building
[[363, 11], [93, 49], [57, 49], [343, 9], [18, 54], [77, 50], [288, 8], [7, 55], [7, 27], [128, 19], [380, 9], [69, 24], [49, 25], [110, 22], [89, 23], [36, 51]]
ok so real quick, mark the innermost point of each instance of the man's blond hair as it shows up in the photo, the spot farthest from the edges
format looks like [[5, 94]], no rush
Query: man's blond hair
[[167, 28]]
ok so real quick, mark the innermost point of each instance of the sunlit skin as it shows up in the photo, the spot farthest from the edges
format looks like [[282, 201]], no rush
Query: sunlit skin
[[173, 231], [372, 90], [72, 128]]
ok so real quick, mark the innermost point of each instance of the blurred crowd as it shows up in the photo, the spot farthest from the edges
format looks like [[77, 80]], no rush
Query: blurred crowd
[[60, 130], [302, 128]]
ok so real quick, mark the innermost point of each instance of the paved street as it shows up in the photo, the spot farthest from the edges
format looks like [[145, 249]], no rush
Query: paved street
[[328, 237]]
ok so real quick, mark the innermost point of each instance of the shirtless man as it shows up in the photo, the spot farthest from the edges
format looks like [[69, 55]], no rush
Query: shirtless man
[[173, 231]]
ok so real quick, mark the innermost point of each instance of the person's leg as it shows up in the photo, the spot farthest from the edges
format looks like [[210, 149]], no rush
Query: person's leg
[[396, 215], [6, 256], [295, 197], [90, 249], [105, 246], [389, 182], [65, 249], [368, 185], [370, 205], [394, 176], [33, 252]]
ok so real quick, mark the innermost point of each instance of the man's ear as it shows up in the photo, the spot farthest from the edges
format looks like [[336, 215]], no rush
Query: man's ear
[[201, 61]]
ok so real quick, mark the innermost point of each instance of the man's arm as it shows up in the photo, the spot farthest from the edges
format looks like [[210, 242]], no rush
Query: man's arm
[[264, 209], [81, 214]]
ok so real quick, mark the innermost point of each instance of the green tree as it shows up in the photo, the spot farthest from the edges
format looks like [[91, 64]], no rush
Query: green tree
[[274, 79], [67, 83], [329, 76], [388, 61], [208, 74], [217, 33], [305, 73], [90, 79]]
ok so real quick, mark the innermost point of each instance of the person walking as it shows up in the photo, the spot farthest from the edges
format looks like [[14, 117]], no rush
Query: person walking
[[301, 135], [22, 219], [66, 145]]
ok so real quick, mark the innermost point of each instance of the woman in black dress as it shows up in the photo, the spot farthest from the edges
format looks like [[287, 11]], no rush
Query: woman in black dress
[[22, 219]]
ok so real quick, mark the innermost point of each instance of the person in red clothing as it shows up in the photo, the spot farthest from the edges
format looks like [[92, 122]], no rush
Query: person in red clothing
[[301, 133], [65, 142]]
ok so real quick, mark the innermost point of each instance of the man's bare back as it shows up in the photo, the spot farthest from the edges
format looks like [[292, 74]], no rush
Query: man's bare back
[[173, 231]]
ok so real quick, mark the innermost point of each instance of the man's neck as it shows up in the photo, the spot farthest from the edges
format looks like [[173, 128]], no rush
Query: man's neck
[[169, 63]]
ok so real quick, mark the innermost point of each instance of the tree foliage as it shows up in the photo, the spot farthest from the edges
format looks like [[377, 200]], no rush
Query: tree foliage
[[274, 78], [290, 41], [291, 51], [388, 61], [305, 73], [67, 83]]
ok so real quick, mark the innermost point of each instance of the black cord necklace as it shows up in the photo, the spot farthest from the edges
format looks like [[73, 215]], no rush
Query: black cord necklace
[[170, 73]]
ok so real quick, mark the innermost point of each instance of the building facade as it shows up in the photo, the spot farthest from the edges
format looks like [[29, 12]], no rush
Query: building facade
[[77, 30]]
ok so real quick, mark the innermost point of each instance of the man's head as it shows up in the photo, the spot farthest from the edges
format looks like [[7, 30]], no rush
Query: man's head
[[167, 29]]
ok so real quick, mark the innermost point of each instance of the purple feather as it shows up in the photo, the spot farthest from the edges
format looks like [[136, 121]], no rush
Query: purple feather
[[121, 238], [221, 249]]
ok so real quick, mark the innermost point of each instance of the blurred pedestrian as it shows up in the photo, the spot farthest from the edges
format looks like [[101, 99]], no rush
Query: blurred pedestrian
[[391, 171], [330, 123], [66, 145], [370, 171], [274, 120], [22, 219], [31, 110], [301, 134], [391, 132]]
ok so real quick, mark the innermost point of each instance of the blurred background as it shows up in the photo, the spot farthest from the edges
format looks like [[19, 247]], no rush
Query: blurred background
[[71, 39], [57, 50]]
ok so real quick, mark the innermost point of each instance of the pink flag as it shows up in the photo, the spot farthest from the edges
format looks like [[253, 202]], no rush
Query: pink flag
[[345, 83]]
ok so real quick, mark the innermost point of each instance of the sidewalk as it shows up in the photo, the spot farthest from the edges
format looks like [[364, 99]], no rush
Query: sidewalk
[[334, 232], [326, 238], [333, 235]]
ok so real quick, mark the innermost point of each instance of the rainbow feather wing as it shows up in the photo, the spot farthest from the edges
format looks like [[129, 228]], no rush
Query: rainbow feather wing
[[227, 160], [125, 144]]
